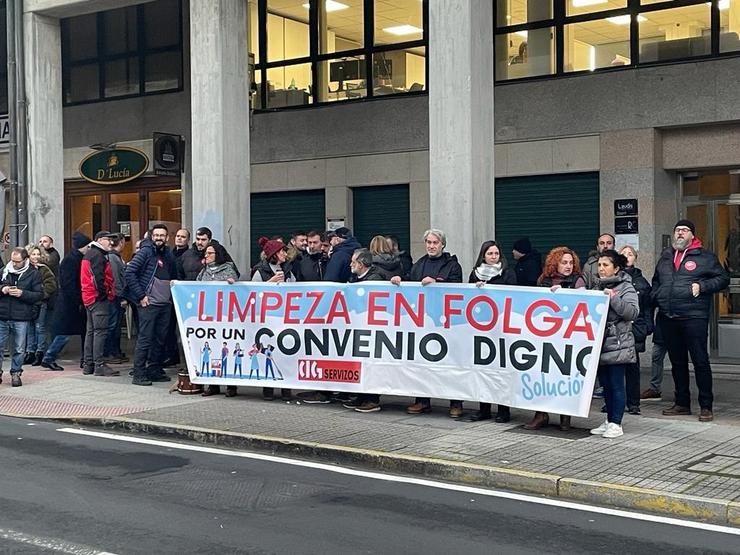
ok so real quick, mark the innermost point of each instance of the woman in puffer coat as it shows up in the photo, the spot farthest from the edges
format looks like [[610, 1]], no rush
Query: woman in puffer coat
[[386, 263], [618, 350]]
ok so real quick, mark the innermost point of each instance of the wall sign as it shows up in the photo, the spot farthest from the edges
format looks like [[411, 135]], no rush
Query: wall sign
[[625, 207], [169, 154], [4, 133], [625, 226], [114, 166]]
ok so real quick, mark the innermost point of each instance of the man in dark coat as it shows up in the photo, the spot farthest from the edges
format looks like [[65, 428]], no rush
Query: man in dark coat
[[190, 263], [362, 267], [182, 242], [20, 289], [47, 243], [69, 312], [686, 278], [435, 266], [344, 245], [311, 265], [528, 263]]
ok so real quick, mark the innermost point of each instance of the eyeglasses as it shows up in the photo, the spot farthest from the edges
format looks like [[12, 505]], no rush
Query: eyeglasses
[[682, 230]]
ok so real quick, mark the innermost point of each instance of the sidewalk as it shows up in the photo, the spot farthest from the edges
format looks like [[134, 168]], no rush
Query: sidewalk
[[674, 466]]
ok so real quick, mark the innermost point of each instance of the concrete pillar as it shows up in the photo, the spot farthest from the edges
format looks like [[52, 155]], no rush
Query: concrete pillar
[[43, 71], [461, 124], [220, 123]]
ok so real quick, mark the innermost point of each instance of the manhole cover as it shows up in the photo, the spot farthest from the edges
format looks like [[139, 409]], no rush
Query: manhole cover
[[716, 465]]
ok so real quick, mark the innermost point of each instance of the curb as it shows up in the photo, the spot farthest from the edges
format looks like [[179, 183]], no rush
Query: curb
[[716, 511]]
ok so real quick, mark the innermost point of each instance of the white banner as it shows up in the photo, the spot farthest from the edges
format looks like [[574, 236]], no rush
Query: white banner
[[523, 347]]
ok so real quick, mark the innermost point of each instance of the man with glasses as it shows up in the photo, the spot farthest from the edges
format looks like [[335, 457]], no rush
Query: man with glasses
[[148, 278], [686, 277]]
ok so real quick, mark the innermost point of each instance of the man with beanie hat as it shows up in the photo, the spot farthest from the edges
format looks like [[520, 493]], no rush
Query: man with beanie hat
[[344, 244], [685, 280], [70, 316], [528, 262], [98, 291]]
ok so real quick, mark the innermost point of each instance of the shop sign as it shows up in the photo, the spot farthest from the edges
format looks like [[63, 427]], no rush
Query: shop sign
[[169, 150], [114, 166], [625, 207], [4, 132]]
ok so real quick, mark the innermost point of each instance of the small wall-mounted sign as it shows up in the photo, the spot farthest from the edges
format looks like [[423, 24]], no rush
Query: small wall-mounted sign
[[169, 154], [625, 226], [625, 207], [114, 166]]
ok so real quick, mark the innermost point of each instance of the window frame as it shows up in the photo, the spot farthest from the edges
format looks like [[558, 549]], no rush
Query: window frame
[[102, 58], [634, 8], [314, 58]]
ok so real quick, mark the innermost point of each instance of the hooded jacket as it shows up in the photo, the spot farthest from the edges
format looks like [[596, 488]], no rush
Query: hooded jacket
[[338, 269], [624, 307], [672, 287], [96, 277], [220, 272], [388, 265], [69, 315], [528, 268], [140, 271]]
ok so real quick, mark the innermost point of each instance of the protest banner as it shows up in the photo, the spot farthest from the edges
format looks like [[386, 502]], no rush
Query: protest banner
[[524, 347]]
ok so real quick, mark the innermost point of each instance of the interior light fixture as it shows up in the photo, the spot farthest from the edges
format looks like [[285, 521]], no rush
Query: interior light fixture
[[331, 6], [723, 4], [400, 30], [583, 3], [624, 19], [522, 34]]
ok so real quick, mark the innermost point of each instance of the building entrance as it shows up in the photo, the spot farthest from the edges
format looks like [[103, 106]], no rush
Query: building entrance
[[712, 202], [130, 209]]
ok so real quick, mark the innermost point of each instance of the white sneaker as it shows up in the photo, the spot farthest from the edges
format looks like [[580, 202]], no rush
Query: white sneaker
[[601, 429], [613, 430]]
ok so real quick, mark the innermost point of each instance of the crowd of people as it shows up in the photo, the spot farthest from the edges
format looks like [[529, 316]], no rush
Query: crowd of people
[[87, 292]]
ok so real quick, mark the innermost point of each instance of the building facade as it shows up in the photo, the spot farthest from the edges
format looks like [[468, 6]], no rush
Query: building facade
[[552, 119]]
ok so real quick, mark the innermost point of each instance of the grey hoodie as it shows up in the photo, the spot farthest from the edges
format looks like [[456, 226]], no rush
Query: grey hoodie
[[619, 342]]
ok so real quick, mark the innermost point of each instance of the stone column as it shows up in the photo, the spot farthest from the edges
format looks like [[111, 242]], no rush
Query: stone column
[[461, 124], [43, 71], [220, 123]]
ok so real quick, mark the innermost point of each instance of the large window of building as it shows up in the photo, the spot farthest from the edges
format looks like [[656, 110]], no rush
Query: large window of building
[[320, 51], [131, 51], [555, 37]]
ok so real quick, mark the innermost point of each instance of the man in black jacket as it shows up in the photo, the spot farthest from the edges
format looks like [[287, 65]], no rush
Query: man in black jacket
[[190, 263], [436, 266], [311, 265], [528, 263], [685, 280], [47, 243], [20, 289]]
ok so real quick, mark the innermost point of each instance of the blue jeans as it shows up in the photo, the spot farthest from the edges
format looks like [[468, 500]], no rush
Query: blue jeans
[[612, 380], [36, 334], [19, 330], [57, 344]]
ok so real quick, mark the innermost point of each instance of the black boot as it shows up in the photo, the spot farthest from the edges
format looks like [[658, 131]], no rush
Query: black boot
[[37, 360], [503, 414], [29, 358]]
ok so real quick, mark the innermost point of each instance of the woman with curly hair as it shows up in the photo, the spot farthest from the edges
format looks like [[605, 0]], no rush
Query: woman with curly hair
[[562, 269]]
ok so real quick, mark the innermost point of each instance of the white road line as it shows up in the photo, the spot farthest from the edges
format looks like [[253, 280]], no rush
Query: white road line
[[415, 481], [51, 544]]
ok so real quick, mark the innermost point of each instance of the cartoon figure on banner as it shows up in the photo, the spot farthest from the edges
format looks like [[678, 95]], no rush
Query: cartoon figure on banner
[[238, 356], [224, 359], [254, 361], [270, 363], [216, 368], [206, 350]]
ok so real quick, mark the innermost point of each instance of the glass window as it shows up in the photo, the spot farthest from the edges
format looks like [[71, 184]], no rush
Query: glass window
[[578, 7], [345, 78], [341, 26], [253, 29], [398, 21], [516, 12], [119, 31], [594, 44], [675, 33], [84, 83], [289, 86], [163, 71], [525, 53], [162, 23], [83, 37], [399, 71], [729, 25], [287, 30], [122, 77]]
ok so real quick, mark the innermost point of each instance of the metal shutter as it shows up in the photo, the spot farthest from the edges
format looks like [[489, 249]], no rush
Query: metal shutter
[[382, 210], [285, 212], [551, 210]]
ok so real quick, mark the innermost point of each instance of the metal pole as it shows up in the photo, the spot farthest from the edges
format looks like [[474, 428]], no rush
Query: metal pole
[[12, 123], [22, 122]]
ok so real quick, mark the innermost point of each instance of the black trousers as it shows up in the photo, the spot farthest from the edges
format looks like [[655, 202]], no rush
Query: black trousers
[[632, 383], [683, 338], [149, 355]]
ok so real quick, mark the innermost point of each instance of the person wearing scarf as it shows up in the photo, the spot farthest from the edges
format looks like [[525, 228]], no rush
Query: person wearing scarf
[[20, 290]]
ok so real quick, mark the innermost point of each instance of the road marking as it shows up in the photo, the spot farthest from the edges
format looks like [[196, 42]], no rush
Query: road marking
[[52, 544], [415, 481]]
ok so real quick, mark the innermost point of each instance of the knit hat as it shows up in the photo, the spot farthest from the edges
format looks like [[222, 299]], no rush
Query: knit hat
[[686, 223], [523, 245], [270, 246], [80, 240], [343, 232]]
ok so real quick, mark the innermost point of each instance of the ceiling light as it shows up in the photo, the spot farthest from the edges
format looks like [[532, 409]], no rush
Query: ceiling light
[[400, 30], [582, 3], [331, 6], [624, 19], [522, 34]]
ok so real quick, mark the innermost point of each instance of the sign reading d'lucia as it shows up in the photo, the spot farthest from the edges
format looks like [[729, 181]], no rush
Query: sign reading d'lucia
[[114, 166]]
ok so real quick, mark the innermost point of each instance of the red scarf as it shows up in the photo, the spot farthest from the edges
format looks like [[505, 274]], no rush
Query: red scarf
[[679, 255]]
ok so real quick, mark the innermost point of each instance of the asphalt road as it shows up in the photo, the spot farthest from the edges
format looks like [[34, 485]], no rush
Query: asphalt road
[[61, 492]]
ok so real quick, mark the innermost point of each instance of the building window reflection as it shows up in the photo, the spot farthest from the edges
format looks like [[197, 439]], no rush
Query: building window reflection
[[545, 37], [320, 51]]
